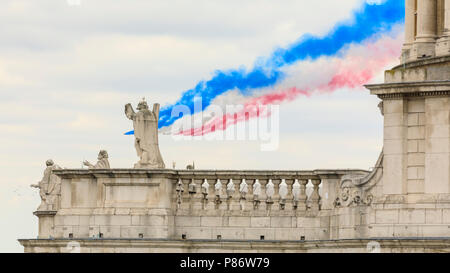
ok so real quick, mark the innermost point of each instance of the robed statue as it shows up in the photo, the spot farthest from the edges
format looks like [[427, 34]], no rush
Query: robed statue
[[49, 188], [145, 123], [102, 162]]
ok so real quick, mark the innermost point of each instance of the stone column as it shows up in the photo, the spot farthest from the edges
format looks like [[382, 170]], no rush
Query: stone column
[[447, 18], [426, 20], [443, 43], [426, 29], [409, 24]]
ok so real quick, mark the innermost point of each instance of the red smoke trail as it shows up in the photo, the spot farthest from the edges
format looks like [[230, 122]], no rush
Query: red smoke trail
[[254, 108], [353, 72]]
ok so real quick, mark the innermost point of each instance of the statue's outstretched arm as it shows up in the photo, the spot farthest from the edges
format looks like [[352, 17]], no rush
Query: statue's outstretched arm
[[156, 110], [88, 164], [129, 112]]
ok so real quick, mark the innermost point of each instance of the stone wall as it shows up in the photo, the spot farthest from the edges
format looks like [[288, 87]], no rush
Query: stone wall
[[130, 203]]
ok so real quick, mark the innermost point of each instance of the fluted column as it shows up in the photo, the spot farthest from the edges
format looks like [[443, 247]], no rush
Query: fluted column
[[426, 21], [409, 23]]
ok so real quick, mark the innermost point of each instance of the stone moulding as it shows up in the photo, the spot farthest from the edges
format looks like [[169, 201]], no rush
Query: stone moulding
[[423, 62], [199, 174], [45, 212], [410, 89], [158, 245], [146, 184]]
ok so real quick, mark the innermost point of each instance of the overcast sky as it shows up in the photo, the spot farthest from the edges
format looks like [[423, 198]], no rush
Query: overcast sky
[[67, 70]]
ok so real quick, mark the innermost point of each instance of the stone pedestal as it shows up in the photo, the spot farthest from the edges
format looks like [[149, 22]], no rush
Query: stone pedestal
[[125, 203], [443, 46], [46, 223]]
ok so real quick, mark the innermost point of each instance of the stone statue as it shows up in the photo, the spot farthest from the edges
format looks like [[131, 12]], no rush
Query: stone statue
[[191, 167], [49, 188], [102, 162], [145, 123], [381, 107]]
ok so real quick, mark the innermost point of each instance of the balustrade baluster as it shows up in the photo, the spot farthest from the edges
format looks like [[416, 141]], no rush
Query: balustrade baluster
[[236, 196], [249, 195], [315, 197], [270, 192], [263, 196], [211, 194], [257, 190], [243, 190], [218, 194], [205, 193], [224, 197], [283, 192], [295, 193], [198, 196], [302, 197], [230, 193], [185, 197], [289, 196]]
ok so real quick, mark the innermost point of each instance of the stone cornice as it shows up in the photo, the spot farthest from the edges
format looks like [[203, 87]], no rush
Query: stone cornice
[[410, 89], [45, 213], [200, 174]]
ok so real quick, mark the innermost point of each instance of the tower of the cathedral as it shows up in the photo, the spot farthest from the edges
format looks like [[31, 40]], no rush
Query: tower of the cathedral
[[416, 106]]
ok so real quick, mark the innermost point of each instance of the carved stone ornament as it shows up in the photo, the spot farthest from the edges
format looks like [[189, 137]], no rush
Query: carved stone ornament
[[355, 189]]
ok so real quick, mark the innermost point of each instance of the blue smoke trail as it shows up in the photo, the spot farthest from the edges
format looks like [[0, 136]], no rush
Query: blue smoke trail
[[367, 21]]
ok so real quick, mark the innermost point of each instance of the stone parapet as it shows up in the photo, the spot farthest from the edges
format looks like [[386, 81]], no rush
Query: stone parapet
[[195, 204]]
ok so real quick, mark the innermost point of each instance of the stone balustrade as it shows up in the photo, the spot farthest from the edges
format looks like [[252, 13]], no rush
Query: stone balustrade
[[249, 193], [203, 191], [252, 193]]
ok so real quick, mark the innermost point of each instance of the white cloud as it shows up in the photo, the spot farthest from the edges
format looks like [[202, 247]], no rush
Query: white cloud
[[85, 122], [7, 79], [16, 129]]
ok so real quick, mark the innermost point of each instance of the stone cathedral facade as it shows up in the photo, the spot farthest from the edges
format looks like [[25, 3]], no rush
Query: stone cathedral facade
[[403, 205]]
